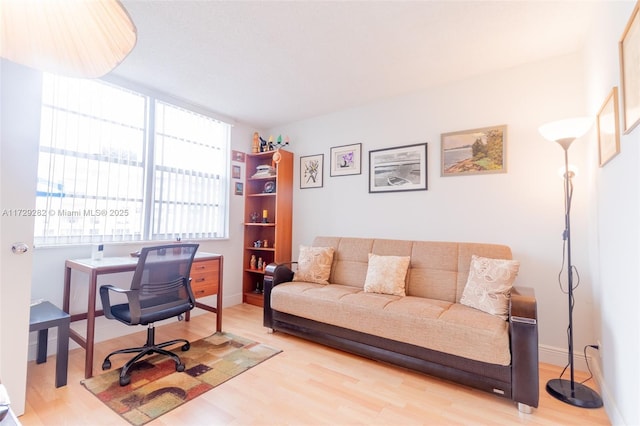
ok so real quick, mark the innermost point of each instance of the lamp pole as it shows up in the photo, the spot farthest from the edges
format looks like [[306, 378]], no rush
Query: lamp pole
[[569, 391]]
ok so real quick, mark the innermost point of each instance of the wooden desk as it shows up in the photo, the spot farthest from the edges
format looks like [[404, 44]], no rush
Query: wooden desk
[[206, 279]]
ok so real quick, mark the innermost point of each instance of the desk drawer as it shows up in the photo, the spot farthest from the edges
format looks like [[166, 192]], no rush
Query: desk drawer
[[204, 278]]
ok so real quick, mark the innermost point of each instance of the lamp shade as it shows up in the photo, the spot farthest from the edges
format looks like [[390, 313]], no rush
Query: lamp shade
[[571, 129], [76, 38]]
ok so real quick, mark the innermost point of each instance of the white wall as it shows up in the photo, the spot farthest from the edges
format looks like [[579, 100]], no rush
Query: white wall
[[523, 208], [614, 239]]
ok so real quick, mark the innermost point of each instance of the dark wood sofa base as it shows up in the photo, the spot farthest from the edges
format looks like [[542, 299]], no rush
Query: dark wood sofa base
[[488, 377]]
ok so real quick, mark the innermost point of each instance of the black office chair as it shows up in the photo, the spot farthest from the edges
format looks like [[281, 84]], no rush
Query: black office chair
[[160, 289]]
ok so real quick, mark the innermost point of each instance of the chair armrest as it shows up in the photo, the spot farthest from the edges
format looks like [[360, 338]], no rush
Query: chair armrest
[[106, 300], [274, 274], [523, 324]]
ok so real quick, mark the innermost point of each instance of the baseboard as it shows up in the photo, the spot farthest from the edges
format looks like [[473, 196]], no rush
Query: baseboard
[[560, 357]]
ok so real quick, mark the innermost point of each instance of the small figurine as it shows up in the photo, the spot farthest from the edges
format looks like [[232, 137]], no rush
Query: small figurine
[[279, 143], [263, 145], [259, 263], [253, 261], [256, 143]]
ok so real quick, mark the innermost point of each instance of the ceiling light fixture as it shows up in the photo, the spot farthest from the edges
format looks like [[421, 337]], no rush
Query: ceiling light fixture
[[75, 38]]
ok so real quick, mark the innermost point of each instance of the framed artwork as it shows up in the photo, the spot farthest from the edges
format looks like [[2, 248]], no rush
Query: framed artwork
[[311, 171], [346, 159], [608, 128], [402, 168], [629, 47], [237, 156], [239, 188], [235, 172], [475, 151]]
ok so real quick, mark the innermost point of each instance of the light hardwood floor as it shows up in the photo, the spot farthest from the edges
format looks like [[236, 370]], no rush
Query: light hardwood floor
[[305, 384]]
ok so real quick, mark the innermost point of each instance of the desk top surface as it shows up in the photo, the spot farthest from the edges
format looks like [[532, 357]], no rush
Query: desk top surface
[[122, 261]]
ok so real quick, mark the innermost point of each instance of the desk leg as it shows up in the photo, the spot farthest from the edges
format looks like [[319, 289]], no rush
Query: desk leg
[[67, 289], [219, 298], [62, 357], [91, 324]]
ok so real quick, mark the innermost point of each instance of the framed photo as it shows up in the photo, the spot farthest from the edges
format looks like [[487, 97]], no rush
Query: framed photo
[[402, 168], [239, 188], [474, 151], [630, 71], [345, 160], [311, 171], [237, 156], [608, 128], [235, 172]]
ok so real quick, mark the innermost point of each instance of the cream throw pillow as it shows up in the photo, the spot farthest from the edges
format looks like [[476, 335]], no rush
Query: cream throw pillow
[[386, 274], [314, 264], [489, 285]]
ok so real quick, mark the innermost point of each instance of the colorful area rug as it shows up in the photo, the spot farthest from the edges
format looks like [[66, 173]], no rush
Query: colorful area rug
[[156, 387]]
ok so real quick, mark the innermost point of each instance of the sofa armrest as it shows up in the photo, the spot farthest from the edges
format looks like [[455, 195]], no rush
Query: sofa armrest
[[274, 274], [523, 324]]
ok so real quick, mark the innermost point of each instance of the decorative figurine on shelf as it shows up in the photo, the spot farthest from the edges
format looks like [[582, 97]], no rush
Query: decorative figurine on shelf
[[253, 261], [265, 216], [263, 145], [254, 217], [279, 143], [260, 263], [257, 244], [258, 289], [255, 148], [265, 244]]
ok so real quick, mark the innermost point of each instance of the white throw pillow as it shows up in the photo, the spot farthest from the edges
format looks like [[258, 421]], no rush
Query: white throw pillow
[[489, 285], [314, 264], [386, 274]]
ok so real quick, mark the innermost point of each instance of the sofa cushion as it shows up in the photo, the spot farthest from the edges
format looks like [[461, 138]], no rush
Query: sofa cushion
[[386, 274], [434, 324], [314, 264], [489, 285]]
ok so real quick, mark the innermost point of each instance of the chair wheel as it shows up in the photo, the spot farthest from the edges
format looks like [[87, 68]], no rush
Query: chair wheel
[[186, 347], [124, 381], [180, 368], [106, 364]]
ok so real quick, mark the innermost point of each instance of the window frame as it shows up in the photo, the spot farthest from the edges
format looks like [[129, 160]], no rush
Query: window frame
[[152, 98]]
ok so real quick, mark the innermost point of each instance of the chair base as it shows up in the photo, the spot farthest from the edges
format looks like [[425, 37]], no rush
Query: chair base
[[149, 348]]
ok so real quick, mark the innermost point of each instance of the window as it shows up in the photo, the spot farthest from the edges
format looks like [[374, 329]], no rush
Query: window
[[116, 165]]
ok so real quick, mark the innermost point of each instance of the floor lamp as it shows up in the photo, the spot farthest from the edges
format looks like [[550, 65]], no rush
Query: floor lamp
[[564, 132]]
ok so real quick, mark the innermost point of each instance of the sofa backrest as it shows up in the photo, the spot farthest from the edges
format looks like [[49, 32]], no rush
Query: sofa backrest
[[438, 270]]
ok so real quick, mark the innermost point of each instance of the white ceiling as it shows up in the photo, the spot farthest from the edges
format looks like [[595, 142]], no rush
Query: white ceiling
[[269, 63]]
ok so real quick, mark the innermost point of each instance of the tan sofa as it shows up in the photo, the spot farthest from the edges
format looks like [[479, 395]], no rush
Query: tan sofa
[[427, 329]]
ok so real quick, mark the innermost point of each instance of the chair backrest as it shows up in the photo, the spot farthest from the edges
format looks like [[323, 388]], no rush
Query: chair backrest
[[162, 276]]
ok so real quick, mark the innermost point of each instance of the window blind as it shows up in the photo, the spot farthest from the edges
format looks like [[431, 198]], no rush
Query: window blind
[[106, 173]]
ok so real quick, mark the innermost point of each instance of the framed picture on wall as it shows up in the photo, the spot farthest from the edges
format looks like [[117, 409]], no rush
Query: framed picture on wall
[[403, 168], [345, 160], [235, 172], [475, 151], [608, 128], [311, 171], [237, 156], [239, 188], [629, 47]]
